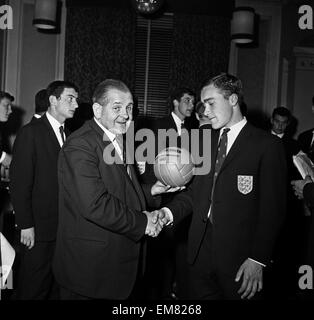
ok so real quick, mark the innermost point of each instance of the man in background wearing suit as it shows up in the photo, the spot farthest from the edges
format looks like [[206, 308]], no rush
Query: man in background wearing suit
[[34, 190], [41, 104], [238, 207], [306, 139], [5, 159], [102, 218], [170, 283], [290, 246], [5, 110]]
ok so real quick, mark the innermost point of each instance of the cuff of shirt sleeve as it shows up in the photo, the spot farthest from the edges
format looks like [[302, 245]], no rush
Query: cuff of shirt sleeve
[[2, 156], [258, 262], [169, 214]]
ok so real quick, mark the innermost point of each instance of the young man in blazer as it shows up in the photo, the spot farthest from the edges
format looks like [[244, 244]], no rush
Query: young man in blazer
[[34, 190], [238, 208]]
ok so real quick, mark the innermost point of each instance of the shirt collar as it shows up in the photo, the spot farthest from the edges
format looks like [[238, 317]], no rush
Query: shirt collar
[[177, 120], [236, 128], [53, 121], [37, 116], [109, 134], [280, 135]]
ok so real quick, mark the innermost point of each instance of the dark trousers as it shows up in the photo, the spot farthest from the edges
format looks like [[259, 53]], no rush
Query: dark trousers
[[206, 281], [36, 280]]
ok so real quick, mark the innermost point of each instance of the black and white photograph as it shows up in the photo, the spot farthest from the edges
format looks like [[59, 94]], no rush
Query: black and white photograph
[[156, 155]]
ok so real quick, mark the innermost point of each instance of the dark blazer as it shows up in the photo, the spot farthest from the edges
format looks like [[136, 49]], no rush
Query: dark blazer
[[100, 219], [33, 179], [245, 224], [304, 140]]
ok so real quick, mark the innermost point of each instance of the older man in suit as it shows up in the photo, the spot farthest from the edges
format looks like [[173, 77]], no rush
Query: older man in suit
[[238, 207], [102, 217], [34, 190]]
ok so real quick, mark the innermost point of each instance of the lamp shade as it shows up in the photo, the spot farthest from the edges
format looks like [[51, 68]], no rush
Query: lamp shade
[[45, 14], [242, 25], [147, 6]]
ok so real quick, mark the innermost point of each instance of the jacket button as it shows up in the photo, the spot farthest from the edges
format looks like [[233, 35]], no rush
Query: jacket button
[[204, 220]]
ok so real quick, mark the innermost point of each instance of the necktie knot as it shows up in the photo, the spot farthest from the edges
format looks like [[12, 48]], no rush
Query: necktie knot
[[182, 125], [225, 131], [61, 130]]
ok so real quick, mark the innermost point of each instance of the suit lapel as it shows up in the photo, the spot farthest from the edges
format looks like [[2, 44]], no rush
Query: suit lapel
[[51, 133], [134, 184]]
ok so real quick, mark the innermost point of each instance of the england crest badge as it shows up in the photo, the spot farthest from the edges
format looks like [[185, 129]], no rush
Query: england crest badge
[[245, 184]]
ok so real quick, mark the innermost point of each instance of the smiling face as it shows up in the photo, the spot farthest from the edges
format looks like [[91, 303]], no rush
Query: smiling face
[[5, 109], [221, 111], [116, 114]]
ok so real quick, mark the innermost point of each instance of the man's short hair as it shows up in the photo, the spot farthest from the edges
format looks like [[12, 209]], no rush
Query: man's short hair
[[281, 111], [56, 88], [200, 109], [100, 94], [227, 84], [6, 95], [41, 101], [178, 93]]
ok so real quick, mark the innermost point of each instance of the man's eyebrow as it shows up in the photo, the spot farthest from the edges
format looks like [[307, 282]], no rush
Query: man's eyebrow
[[208, 100]]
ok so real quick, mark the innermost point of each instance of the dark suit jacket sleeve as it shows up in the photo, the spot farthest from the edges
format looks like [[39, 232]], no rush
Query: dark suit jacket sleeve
[[181, 205], [22, 178], [272, 201], [152, 201], [308, 193], [80, 172]]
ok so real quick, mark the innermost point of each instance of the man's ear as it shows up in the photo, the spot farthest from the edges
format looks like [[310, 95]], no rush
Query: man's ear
[[175, 103], [97, 109], [233, 99], [52, 100]]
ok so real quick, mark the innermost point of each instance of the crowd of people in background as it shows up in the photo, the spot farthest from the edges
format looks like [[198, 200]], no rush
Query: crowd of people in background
[[86, 229]]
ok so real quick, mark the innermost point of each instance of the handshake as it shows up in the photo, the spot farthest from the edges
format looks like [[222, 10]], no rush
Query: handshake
[[156, 220]]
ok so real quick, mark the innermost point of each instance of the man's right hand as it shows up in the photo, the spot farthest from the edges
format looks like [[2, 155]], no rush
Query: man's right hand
[[28, 237], [161, 216]]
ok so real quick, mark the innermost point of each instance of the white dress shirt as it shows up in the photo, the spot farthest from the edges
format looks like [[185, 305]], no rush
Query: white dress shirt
[[112, 138], [279, 135], [178, 122], [56, 127]]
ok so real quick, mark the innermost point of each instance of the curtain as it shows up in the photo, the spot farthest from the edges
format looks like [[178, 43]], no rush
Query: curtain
[[200, 49], [100, 44]]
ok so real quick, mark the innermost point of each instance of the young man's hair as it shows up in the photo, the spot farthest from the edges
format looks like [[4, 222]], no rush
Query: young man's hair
[[41, 101], [281, 111], [56, 88], [227, 84], [178, 93], [6, 95], [100, 94]]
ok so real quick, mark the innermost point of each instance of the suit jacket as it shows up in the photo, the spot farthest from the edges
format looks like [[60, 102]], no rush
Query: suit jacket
[[100, 219], [304, 140], [33, 179], [248, 201]]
